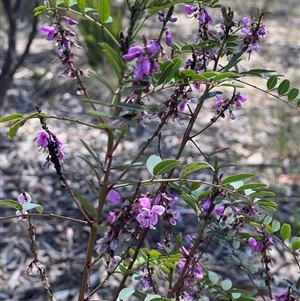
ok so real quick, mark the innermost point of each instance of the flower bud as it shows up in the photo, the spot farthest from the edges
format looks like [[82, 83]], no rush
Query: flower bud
[[168, 38]]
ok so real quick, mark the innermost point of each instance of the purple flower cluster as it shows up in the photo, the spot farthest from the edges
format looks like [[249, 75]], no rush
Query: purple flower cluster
[[23, 198], [204, 18], [148, 213], [64, 44], [260, 246], [222, 105], [193, 272], [145, 60], [285, 296], [55, 147], [46, 138], [207, 206], [253, 32]]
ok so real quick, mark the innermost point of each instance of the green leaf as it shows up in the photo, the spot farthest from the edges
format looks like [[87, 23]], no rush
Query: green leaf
[[96, 113], [234, 61], [209, 74], [10, 117], [165, 166], [130, 106], [275, 225], [169, 69], [237, 177], [283, 87], [39, 10], [18, 123], [195, 186], [272, 82], [257, 72], [92, 167], [293, 93], [14, 128], [213, 277], [295, 243], [67, 2], [11, 204], [267, 205], [81, 4], [232, 84], [103, 11], [222, 76], [269, 228], [28, 206], [252, 186], [125, 166], [190, 200], [86, 205], [91, 151], [208, 95], [262, 193], [285, 231], [102, 80], [236, 295], [226, 284], [152, 162], [125, 293], [114, 64], [193, 167]]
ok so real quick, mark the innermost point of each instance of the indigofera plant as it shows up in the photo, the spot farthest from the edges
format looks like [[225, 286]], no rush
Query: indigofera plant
[[229, 211]]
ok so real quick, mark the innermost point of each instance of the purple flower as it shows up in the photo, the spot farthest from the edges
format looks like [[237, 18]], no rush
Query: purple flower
[[24, 198], [196, 85], [246, 31], [169, 38], [161, 16], [114, 196], [205, 204], [145, 202], [173, 19], [184, 102], [145, 282], [174, 216], [42, 138], [172, 199], [208, 17], [148, 218], [49, 31], [220, 102], [198, 272], [246, 21], [219, 210], [256, 246], [262, 31], [254, 47], [285, 296], [21, 218], [239, 99], [202, 18], [153, 48], [189, 9], [112, 217], [95, 15], [60, 152], [70, 21], [133, 52]]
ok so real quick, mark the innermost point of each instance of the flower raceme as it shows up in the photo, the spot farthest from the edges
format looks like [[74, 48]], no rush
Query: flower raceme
[[145, 63]]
